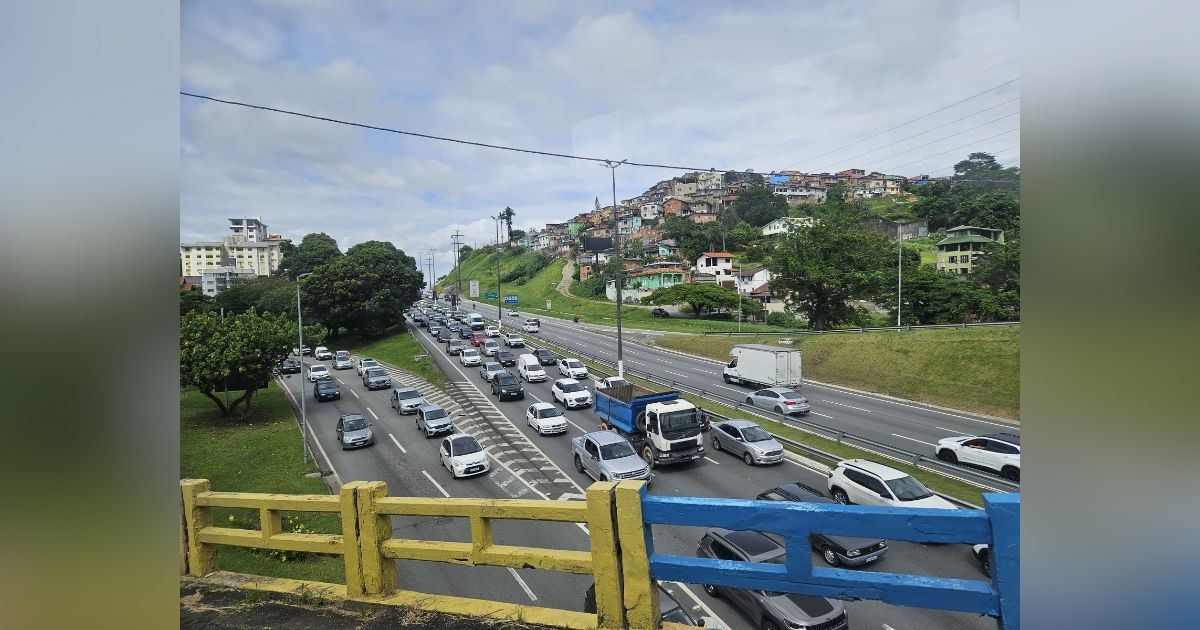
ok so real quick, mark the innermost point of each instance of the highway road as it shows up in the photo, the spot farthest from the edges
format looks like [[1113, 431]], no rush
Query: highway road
[[721, 475]]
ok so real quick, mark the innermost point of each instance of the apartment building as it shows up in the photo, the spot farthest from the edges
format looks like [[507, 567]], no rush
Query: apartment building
[[217, 279], [963, 246]]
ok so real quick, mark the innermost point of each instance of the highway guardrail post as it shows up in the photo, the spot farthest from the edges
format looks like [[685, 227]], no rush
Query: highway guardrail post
[[350, 544], [201, 557], [606, 570], [378, 572], [640, 595]]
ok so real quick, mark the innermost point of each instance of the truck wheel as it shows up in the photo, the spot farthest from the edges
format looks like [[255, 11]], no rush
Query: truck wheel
[[726, 377], [578, 464], [648, 456]]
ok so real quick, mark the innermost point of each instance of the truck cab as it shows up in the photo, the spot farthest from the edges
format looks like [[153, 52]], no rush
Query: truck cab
[[663, 427]]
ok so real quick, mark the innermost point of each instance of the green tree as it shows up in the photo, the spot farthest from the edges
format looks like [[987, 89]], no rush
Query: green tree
[[758, 205], [743, 234], [241, 296], [690, 237], [935, 297], [237, 354], [999, 268], [194, 302], [314, 250], [507, 216], [699, 297], [366, 290], [835, 200], [823, 267], [976, 163], [516, 235]]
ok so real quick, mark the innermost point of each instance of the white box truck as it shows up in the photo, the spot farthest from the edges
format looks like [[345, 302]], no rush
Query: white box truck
[[760, 365]]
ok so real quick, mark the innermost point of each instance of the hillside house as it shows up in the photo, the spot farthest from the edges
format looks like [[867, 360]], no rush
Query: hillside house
[[963, 246], [651, 210], [719, 264], [786, 224]]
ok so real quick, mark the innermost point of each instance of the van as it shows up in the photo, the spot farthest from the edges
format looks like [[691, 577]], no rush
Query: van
[[475, 321], [530, 369]]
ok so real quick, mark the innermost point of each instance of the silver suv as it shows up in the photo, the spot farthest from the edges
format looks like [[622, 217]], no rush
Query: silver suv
[[406, 400], [432, 420]]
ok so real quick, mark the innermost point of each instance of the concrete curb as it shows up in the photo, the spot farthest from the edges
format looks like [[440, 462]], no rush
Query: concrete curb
[[810, 464]]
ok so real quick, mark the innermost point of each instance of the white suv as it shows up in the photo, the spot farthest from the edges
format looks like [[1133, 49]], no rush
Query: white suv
[[998, 452], [862, 482]]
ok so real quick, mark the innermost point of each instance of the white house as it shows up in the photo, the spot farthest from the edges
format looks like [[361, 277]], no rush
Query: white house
[[719, 264], [629, 224], [750, 279], [786, 224], [651, 211]]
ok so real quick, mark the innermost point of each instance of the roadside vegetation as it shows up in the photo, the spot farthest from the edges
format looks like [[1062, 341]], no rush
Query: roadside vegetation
[[972, 369], [258, 452], [398, 349]]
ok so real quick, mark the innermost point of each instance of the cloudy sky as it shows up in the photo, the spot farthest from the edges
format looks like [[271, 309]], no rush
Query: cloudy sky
[[812, 86]]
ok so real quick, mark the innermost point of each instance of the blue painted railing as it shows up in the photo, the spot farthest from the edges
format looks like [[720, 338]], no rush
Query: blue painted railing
[[997, 525]]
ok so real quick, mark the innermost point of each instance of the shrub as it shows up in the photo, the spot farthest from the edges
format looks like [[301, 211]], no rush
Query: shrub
[[784, 320]]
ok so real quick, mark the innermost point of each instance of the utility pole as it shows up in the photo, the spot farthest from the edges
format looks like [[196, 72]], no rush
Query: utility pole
[[738, 285], [457, 268], [433, 271], [499, 253], [899, 270], [303, 399], [612, 166]]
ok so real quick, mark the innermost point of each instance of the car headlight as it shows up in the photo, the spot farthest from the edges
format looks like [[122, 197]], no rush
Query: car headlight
[[793, 624], [757, 450], [853, 553]]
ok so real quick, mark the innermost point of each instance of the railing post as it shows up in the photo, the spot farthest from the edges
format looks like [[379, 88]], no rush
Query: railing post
[[605, 569], [351, 550], [1004, 514], [378, 572], [640, 594], [270, 522], [201, 558], [481, 538]]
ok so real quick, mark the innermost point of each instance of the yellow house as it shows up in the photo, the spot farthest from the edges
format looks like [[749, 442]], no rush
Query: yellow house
[[963, 245]]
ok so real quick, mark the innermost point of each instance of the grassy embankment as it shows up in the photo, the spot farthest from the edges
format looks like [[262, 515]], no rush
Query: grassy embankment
[[258, 454], [533, 293], [398, 349], [973, 369]]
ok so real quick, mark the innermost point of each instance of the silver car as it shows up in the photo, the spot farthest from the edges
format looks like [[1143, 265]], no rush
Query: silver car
[[746, 440], [432, 420], [490, 369], [490, 348], [353, 431], [406, 400], [341, 360], [779, 400]]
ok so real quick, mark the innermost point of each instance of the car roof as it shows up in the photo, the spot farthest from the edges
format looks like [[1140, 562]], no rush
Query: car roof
[[493, 364], [347, 416], [431, 407], [462, 437], [1011, 438], [566, 381], [886, 473], [740, 424], [406, 389], [318, 365], [365, 359], [800, 492], [604, 438], [543, 405], [748, 541], [569, 359]]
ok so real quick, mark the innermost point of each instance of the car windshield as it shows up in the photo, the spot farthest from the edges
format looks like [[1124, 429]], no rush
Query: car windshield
[[434, 414], [402, 395], [318, 368], [755, 434], [573, 387], [908, 489], [354, 424], [678, 421], [551, 412], [369, 363], [376, 372], [504, 354], [506, 379], [617, 382], [326, 383], [342, 354], [466, 446], [543, 353], [470, 353], [574, 364], [616, 450]]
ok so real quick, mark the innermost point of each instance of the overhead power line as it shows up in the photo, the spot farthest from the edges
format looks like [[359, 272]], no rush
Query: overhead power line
[[957, 133], [957, 148]]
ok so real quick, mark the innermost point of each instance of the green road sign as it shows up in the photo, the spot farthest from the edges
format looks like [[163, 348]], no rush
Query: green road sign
[[490, 295]]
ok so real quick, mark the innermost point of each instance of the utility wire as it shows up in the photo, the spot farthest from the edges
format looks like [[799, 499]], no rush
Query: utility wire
[[957, 133], [958, 148]]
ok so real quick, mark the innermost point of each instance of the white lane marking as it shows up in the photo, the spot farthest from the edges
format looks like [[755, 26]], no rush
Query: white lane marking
[[397, 443], [703, 606], [675, 373], [905, 437], [821, 414], [436, 484], [887, 627], [584, 528], [336, 476], [340, 381], [581, 429], [355, 394], [712, 460], [845, 405], [736, 391], [517, 577], [372, 413], [954, 431]]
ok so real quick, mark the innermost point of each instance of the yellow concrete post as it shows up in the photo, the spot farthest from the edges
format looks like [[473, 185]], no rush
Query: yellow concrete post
[[379, 573], [481, 538], [640, 593], [270, 522], [350, 545], [202, 558], [605, 571]]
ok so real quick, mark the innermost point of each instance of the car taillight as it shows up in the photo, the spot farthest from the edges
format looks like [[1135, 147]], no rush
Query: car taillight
[[790, 402]]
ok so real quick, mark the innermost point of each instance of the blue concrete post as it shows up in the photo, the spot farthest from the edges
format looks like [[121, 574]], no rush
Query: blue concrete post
[[1004, 514]]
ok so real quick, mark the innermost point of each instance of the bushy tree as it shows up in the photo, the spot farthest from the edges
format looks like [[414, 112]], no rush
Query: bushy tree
[[999, 268], [194, 302], [699, 297], [314, 250], [366, 290], [935, 297], [758, 205]]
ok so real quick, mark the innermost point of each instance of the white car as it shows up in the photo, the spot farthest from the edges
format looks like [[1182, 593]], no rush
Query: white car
[[862, 482], [491, 331], [490, 348], [546, 419], [572, 368], [571, 393], [318, 372], [469, 357], [513, 340], [513, 314], [462, 455], [530, 327], [364, 364], [611, 381], [341, 360], [322, 353], [998, 452]]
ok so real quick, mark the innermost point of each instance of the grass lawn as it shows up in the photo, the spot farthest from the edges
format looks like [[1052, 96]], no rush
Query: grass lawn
[[398, 349], [259, 454], [973, 369]]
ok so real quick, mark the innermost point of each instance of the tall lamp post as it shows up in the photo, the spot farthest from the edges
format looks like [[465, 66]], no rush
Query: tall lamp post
[[612, 166], [303, 398]]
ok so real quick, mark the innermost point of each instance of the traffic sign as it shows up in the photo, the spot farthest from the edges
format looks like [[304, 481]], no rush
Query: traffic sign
[[490, 295], [474, 288], [510, 299]]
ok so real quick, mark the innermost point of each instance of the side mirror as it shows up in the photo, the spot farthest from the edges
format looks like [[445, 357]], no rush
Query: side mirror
[[595, 457]]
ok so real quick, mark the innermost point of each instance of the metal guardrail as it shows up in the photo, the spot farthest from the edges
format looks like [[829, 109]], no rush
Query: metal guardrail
[[718, 333]]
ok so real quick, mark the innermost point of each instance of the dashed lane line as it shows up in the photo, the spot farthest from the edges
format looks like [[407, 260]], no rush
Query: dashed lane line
[[355, 394], [372, 413], [397, 443], [845, 405], [712, 460], [436, 484], [517, 577], [905, 437]]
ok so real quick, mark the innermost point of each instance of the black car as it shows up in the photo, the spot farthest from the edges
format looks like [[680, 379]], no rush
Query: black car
[[836, 550], [545, 357], [289, 366], [506, 358], [326, 389], [443, 335], [505, 385], [660, 312], [464, 332]]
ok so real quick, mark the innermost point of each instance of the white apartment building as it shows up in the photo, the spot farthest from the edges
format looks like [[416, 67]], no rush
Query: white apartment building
[[651, 211], [709, 180], [260, 257], [786, 224], [253, 229], [216, 280]]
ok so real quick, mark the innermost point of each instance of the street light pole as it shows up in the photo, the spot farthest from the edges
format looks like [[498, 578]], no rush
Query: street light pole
[[612, 166], [499, 297], [899, 271], [738, 285], [303, 397]]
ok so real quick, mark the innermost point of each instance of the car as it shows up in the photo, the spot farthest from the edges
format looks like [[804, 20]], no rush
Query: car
[[435, 330], [767, 609], [546, 419], [983, 554], [353, 431], [611, 381], [513, 340], [571, 393], [506, 358], [326, 389], [341, 360], [317, 372], [545, 357], [660, 312], [529, 369], [322, 353], [490, 348], [779, 400], [530, 326], [477, 338], [491, 331], [997, 452], [453, 328], [376, 378], [669, 609], [835, 550], [572, 368], [406, 400], [364, 364], [302, 350], [432, 420], [490, 369], [444, 335], [607, 456], [469, 357], [289, 366], [455, 346], [513, 314], [423, 322], [863, 482], [462, 455], [505, 385], [748, 441], [465, 332]]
